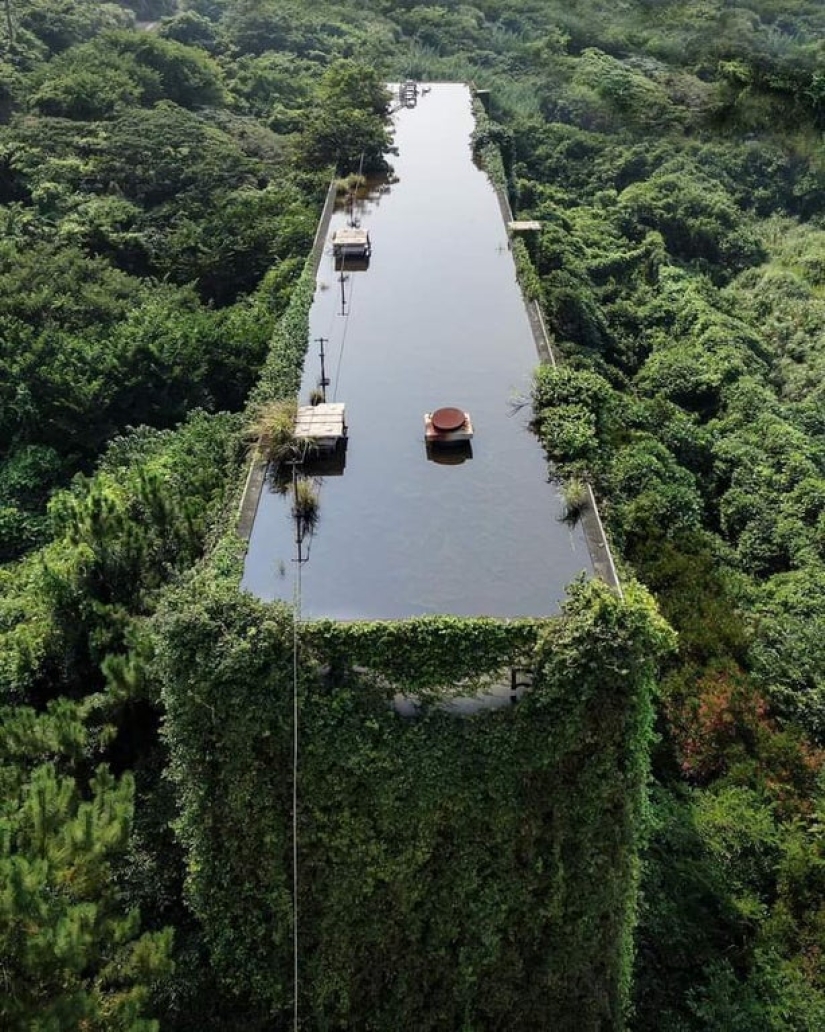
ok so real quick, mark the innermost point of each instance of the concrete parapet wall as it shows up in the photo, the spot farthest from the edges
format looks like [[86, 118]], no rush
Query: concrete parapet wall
[[318, 243]]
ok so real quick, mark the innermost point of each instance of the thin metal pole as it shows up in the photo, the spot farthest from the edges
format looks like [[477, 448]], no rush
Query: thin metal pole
[[324, 380]]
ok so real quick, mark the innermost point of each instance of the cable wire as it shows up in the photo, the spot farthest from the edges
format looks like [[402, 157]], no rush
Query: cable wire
[[296, 617], [343, 342]]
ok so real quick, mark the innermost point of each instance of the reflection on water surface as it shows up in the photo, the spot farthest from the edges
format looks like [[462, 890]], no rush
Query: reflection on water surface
[[435, 318]]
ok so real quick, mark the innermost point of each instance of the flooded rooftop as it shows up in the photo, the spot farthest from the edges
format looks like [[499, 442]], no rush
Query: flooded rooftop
[[433, 319]]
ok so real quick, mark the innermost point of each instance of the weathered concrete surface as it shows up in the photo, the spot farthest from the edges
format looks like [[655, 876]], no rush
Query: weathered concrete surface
[[250, 498]]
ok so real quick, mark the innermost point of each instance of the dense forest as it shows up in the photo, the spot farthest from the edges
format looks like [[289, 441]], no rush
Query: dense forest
[[162, 169]]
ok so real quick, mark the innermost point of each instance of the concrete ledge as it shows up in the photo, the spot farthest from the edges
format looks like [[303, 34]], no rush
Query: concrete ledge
[[249, 499], [323, 225], [540, 335]]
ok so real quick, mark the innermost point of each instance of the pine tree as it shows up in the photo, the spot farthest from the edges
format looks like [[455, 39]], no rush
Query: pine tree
[[71, 955]]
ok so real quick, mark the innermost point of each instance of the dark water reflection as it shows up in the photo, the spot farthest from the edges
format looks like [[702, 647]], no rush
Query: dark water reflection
[[437, 319]]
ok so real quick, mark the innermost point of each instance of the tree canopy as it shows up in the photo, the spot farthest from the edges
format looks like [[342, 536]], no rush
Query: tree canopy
[[162, 169]]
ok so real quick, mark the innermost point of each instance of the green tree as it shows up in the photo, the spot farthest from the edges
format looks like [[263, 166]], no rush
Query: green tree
[[72, 954], [191, 29], [695, 215], [348, 124]]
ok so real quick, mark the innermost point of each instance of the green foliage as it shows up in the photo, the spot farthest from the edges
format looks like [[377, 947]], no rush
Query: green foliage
[[321, 33], [230, 755], [686, 916], [69, 390], [186, 77], [273, 430], [145, 10], [490, 141], [58, 26], [119, 70], [776, 998], [576, 498], [672, 153], [72, 953], [86, 84], [572, 411], [526, 272], [191, 29], [146, 153], [347, 127], [281, 373], [305, 505], [275, 86], [27, 477], [116, 539], [399, 818], [695, 216], [787, 651], [605, 92], [429, 654]]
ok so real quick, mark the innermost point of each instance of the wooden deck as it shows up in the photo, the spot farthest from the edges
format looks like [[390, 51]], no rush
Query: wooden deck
[[323, 424], [524, 226], [349, 242]]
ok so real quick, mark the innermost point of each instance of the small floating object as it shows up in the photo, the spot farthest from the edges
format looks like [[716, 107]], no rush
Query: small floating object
[[323, 425], [524, 226], [447, 426], [351, 242]]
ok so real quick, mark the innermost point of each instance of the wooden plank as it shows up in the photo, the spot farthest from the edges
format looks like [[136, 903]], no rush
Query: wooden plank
[[322, 422]]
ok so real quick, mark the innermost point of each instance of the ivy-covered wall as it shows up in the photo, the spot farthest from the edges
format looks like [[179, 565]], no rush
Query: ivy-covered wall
[[455, 873]]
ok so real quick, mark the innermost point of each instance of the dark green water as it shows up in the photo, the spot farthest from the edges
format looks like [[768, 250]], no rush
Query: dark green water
[[437, 319]]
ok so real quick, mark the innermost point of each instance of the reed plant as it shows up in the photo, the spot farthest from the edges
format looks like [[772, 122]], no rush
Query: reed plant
[[305, 503], [576, 498], [272, 429]]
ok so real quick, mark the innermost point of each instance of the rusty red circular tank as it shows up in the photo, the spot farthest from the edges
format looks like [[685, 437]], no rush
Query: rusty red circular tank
[[445, 420]]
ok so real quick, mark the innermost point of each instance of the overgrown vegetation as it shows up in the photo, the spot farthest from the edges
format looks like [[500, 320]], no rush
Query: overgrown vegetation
[[158, 197], [433, 831], [272, 430]]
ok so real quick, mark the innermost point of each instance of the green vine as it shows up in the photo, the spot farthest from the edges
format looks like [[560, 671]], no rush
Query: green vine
[[428, 654], [525, 271], [488, 862], [281, 374], [487, 141]]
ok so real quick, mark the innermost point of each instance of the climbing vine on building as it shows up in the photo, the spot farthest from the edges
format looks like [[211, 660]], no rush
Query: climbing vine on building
[[487, 865]]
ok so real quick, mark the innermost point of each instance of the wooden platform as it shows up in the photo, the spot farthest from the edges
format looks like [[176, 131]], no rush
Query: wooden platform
[[524, 226], [324, 424], [351, 243]]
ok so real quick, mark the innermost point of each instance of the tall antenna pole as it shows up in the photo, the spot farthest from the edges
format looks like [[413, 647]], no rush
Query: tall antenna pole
[[324, 382]]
